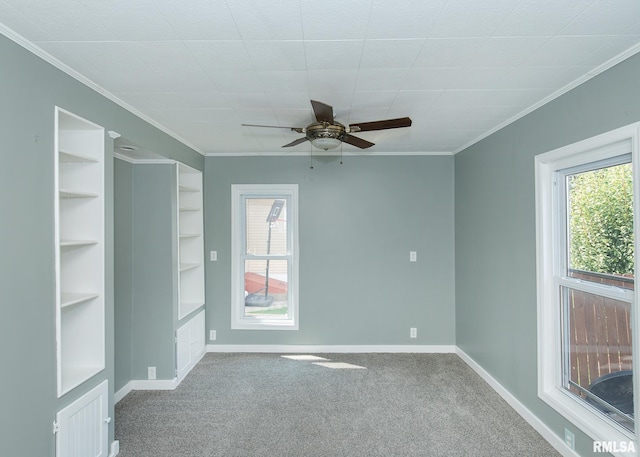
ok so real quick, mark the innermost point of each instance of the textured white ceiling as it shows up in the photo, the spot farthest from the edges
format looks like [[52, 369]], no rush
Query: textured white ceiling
[[199, 68]]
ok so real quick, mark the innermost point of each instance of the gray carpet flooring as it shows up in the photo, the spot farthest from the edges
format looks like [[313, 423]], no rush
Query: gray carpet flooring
[[267, 405]]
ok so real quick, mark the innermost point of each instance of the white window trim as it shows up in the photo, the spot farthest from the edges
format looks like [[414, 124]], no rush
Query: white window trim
[[550, 390], [238, 319]]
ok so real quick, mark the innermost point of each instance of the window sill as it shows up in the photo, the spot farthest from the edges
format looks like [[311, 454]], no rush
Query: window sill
[[263, 324], [595, 424]]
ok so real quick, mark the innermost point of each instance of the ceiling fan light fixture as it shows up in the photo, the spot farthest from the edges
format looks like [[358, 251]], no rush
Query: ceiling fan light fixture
[[326, 143]]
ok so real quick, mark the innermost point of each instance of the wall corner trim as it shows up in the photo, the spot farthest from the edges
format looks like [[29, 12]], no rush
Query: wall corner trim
[[548, 434]]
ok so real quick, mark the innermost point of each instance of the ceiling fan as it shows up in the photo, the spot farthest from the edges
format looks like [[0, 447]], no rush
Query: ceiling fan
[[327, 134]]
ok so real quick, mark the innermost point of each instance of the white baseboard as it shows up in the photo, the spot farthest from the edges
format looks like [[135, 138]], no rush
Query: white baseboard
[[145, 384], [120, 394], [330, 349], [115, 448], [548, 434], [155, 384]]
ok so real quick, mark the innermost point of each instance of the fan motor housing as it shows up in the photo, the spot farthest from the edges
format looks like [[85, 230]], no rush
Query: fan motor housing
[[325, 130]]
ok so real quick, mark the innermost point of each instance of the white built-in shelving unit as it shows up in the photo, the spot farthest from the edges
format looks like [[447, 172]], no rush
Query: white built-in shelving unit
[[80, 251], [191, 240]]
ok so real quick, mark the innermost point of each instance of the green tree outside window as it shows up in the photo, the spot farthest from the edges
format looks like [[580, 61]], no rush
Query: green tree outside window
[[601, 220]]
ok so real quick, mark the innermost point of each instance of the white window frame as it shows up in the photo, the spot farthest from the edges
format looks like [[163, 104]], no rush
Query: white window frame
[[238, 318], [549, 245]]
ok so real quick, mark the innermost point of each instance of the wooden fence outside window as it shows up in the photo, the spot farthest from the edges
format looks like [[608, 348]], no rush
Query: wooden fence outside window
[[600, 330]]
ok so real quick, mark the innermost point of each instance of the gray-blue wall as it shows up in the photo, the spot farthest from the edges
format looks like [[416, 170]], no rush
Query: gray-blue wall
[[154, 274], [495, 230], [357, 224], [145, 276], [123, 271]]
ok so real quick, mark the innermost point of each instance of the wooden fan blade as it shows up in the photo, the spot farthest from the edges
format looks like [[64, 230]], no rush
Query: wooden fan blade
[[295, 129], [323, 112], [381, 125], [358, 142], [296, 142]]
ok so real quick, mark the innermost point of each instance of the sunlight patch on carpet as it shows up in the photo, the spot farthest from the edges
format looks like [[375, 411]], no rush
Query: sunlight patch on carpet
[[303, 357], [339, 365]]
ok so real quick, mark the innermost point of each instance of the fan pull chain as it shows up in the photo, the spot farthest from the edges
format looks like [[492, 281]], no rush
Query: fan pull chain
[[341, 154], [311, 161]]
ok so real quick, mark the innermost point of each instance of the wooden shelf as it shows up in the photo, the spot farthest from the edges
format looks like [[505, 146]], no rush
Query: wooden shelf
[[69, 157], [73, 298], [188, 266], [189, 208], [76, 375], [184, 188], [190, 235], [75, 194], [72, 243]]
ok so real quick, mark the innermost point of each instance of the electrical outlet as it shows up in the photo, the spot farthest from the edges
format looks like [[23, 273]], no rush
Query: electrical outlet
[[413, 256], [212, 335], [569, 439], [151, 372], [413, 332], [213, 255]]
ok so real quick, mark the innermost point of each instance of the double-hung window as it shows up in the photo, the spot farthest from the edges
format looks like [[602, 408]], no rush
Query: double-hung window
[[264, 257], [586, 221]]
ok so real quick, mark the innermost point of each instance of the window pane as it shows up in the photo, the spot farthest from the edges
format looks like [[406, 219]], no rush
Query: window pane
[[597, 349], [266, 288], [266, 226], [600, 225]]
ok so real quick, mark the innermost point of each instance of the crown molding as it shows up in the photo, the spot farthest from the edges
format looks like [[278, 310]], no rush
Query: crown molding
[[325, 154]]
